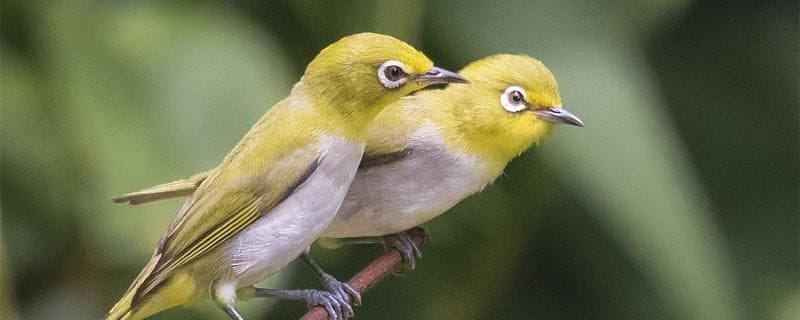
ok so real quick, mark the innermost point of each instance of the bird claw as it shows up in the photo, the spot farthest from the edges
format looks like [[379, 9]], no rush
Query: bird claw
[[344, 292], [407, 247], [336, 308]]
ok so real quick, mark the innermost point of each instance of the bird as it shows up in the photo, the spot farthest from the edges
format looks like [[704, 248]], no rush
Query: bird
[[281, 185], [428, 151]]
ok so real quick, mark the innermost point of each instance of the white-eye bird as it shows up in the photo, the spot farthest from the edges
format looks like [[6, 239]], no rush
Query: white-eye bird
[[429, 151], [281, 185]]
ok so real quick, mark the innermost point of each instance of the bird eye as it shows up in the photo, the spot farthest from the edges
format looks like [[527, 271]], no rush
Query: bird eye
[[392, 74], [516, 97], [513, 99]]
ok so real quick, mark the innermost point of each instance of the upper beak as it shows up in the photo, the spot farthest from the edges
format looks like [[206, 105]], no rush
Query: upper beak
[[559, 115], [439, 75]]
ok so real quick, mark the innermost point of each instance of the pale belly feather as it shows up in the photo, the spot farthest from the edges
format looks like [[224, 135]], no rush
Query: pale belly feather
[[280, 236], [397, 196]]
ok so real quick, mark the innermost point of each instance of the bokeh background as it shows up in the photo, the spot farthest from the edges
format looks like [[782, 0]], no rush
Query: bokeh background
[[678, 200]]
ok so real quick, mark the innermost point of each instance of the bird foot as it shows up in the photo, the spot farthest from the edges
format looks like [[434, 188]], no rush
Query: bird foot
[[405, 244], [337, 308], [343, 291]]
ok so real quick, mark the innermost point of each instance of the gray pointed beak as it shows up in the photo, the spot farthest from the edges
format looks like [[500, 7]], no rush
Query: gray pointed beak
[[439, 75], [559, 115]]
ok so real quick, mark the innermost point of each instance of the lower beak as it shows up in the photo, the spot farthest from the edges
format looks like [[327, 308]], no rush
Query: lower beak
[[439, 75], [558, 115]]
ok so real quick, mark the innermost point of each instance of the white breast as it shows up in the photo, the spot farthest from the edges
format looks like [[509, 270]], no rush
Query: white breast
[[280, 236], [398, 196]]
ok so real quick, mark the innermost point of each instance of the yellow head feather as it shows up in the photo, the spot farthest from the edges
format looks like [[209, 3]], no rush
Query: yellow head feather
[[473, 118], [357, 59]]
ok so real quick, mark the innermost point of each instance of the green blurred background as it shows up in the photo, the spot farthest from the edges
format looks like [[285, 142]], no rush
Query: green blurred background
[[679, 200]]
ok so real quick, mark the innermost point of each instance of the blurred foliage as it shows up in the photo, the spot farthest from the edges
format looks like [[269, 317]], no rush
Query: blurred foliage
[[679, 200]]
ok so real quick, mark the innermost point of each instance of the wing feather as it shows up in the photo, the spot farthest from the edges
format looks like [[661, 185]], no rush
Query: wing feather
[[224, 204], [377, 159], [174, 189]]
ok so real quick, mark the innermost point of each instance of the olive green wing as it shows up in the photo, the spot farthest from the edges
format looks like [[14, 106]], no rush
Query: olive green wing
[[231, 198], [185, 187], [376, 159], [174, 189]]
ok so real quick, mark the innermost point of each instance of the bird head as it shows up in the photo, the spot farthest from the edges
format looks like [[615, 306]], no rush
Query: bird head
[[369, 70], [511, 103]]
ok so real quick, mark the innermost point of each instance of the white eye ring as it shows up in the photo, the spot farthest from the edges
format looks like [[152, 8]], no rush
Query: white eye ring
[[392, 83], [509, 104]]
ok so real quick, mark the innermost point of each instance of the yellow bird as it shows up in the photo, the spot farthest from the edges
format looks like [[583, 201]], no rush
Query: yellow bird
[[427, 152], [281, 186]]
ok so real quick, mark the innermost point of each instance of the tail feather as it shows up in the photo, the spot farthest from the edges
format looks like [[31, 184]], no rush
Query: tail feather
[[123, 309], [178, 289], [175, 189]]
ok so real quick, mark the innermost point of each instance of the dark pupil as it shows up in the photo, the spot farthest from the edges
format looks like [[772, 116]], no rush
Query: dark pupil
[[516, 97], [394, 73]]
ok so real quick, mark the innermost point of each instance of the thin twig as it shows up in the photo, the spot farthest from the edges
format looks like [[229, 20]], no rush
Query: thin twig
[[373, 273]]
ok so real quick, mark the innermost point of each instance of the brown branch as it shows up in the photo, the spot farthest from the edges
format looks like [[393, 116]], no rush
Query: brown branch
[[373, 273]]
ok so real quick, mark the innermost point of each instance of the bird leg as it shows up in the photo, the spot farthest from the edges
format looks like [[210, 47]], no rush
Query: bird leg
[[401, 241], [336, 308], [340, 289], [231, 311]]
